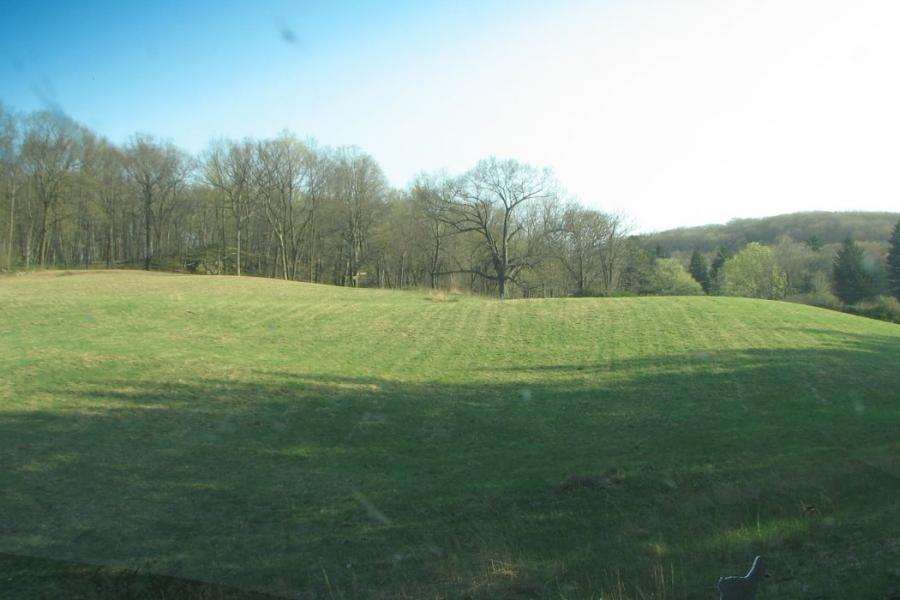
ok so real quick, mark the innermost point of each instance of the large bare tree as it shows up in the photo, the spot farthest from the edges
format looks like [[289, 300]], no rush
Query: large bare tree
[[491, 201]]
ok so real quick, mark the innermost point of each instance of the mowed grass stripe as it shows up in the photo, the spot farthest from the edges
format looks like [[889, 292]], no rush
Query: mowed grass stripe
[[315, 441]]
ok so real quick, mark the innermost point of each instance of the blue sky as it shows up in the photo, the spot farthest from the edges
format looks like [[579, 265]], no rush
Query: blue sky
[[673, 113]]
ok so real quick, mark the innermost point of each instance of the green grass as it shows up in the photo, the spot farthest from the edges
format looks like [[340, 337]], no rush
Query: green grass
[[32, 577], [319, 442]]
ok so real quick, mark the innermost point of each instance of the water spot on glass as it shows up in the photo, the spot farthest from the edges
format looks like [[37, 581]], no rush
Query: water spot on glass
[[371, 509]]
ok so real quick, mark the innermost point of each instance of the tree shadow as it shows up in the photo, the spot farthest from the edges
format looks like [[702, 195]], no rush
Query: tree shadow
[[31, 577], [661, 473]]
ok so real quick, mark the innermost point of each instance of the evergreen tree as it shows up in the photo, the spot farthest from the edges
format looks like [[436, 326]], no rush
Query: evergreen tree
[[700, 270], [718, 262], [814, 243], [851, 281], [893, 262]]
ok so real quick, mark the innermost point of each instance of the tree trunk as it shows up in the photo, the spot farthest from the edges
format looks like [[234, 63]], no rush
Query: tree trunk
[[109, 244], [42, 249], [238, 223], [312, 271], [28, 243], [148, 249], [12, 221], [435, 259], [275, 264], [502, 268]]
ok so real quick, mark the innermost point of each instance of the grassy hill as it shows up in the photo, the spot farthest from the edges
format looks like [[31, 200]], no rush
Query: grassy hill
[[319, 442]]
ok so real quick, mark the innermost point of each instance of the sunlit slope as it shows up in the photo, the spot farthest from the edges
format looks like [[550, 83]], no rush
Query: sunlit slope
[[328, 442]]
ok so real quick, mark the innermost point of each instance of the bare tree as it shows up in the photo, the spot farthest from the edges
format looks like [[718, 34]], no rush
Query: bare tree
[[433, 195], [229, 169], [360, 186], [278, 175], [50, 154], [293, 179], [104, 175], [612, 252], [490, 203], [156, 169], [579, 239], [10, 173], [320, 171], [171, 202]]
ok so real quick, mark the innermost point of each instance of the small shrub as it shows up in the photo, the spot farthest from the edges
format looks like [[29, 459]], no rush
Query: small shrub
[[883, 308], [820, 298]]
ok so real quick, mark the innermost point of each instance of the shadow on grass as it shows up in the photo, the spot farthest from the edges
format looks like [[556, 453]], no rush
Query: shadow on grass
[[30, 577], [652, 476]]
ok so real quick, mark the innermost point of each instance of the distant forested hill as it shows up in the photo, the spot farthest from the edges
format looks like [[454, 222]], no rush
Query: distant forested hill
[[828, 227]]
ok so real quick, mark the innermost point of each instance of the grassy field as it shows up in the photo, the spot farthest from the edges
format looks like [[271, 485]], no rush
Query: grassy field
[[318, 442]]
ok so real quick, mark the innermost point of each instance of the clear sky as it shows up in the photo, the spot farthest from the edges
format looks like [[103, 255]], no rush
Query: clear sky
[[674, 113]]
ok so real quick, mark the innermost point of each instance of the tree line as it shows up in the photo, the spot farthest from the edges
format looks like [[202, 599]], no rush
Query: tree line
[[857, 276], [821, 227], [292, 209]]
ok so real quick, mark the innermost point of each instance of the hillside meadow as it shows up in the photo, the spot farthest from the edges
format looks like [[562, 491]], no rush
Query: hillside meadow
[[310, 441]]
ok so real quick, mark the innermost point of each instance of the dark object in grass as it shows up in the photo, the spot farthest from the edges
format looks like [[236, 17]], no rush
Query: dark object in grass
[[592, 481], [576, 482], [742, 588]]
